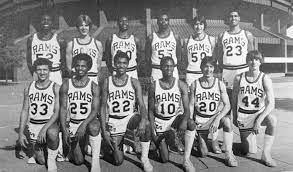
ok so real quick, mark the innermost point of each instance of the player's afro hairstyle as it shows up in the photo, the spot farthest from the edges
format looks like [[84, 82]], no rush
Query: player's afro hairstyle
[[42, 61], [254, 54], [84, 18], [121, 54], [165, 59], [200, 19], [206, 60], [84, 57]]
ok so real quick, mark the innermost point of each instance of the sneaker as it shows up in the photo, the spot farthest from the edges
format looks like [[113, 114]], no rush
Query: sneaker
[[147, 166], [215, 147], [188, 166], [61, 158], [31, 160], [268, 161], [231, 160], [128, 149]]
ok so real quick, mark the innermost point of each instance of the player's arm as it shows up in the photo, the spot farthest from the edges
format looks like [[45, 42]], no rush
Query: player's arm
[[184, 56], [191, 99], [270, 99], [139, 52], [100, 56], [180, 62], [104, 98], [185, 101], [63, 109], [69, 57], [148, 54], [250, 38], [219, 51], [22, 140], [62, 44], [234, 103], [54, 117], [213, 42], [29, 55], [108, 55], [151, 108]]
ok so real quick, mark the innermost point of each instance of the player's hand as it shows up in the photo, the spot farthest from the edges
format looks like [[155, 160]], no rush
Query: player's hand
[[256, 127], [80, 131], [107, 138], [22, 140], [42, 136], [215, 125], [141, 127]]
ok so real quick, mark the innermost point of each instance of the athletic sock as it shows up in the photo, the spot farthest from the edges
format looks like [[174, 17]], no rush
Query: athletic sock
[[188, 139], [251, 139], [52, 154], [228, 141], [95, 142], [145, 146], [268, 143], [214, 135]]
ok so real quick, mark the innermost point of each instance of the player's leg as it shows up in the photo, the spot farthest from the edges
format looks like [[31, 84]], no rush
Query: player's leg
[[189, 139], [93, 129], [178, 146], [38, 149], [248, 142], [118, 153], [77, 146], [271, 123], [228, 141], [52, 146]]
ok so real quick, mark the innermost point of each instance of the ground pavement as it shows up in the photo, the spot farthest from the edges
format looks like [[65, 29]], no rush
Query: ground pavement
[[10, 107]]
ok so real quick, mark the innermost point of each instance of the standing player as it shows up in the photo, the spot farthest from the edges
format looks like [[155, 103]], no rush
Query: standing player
[[125, 42], [206, 93], [79, 96], [41, 107], [165, 97], [161, 44], [120, 91], [46, 44], [84, 43], [253, 102]]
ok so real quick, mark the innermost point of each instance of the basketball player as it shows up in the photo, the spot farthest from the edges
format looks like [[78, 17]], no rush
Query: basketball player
[[84, 43], [161, 44], [126, 42], [120, 91], [206, 93], [79, 96], [41, 108], [165, 111], [46, 44], [253, 103]]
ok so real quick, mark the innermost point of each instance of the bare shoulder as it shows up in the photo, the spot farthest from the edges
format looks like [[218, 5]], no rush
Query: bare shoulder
[[248, 34], [267, 80], [135, 82]]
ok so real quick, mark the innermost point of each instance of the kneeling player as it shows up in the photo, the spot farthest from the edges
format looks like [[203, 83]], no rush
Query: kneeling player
[[119, 94], [253, 102], [166, 95], [206, 93], [79, 96], [41, 107]]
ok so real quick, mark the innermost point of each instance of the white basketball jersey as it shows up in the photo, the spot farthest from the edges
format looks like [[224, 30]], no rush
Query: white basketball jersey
[[127, 46], [121, 99], [167, 101], [80, 100], [234, 50], [49, 49], [162, 47], [251, 96], [207, 99], [89, 48], [41, 103], [196, 51]]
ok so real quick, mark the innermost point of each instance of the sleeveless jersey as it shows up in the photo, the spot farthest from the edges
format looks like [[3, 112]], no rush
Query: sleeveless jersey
[[49, 49], [125, 45], [162, 47], [80, 100], [251, 96], [207, 98], [196, 51], [121, 99], [41, 103], [167, 101], [89, 48], [235, 50]]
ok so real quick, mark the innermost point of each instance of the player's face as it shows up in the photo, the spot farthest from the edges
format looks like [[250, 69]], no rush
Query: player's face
[[208, 70], [46, 23], [198, 27], [163, 21], [42, 72], [84, 29], [254, 63], [123, 24], [81, 68], [121, 65], [167, 68], [234, 18]]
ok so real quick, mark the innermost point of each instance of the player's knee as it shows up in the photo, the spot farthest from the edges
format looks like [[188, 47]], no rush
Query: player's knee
[[94, 128], [191, 125], [118, 158], [52, 134], [226, 122], [147, 135], [78, 160], [271, 121], [40, 160]]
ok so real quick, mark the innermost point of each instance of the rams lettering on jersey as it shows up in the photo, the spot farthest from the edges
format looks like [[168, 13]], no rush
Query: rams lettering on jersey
[[41, 97], [79, 95], [121, 94]]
